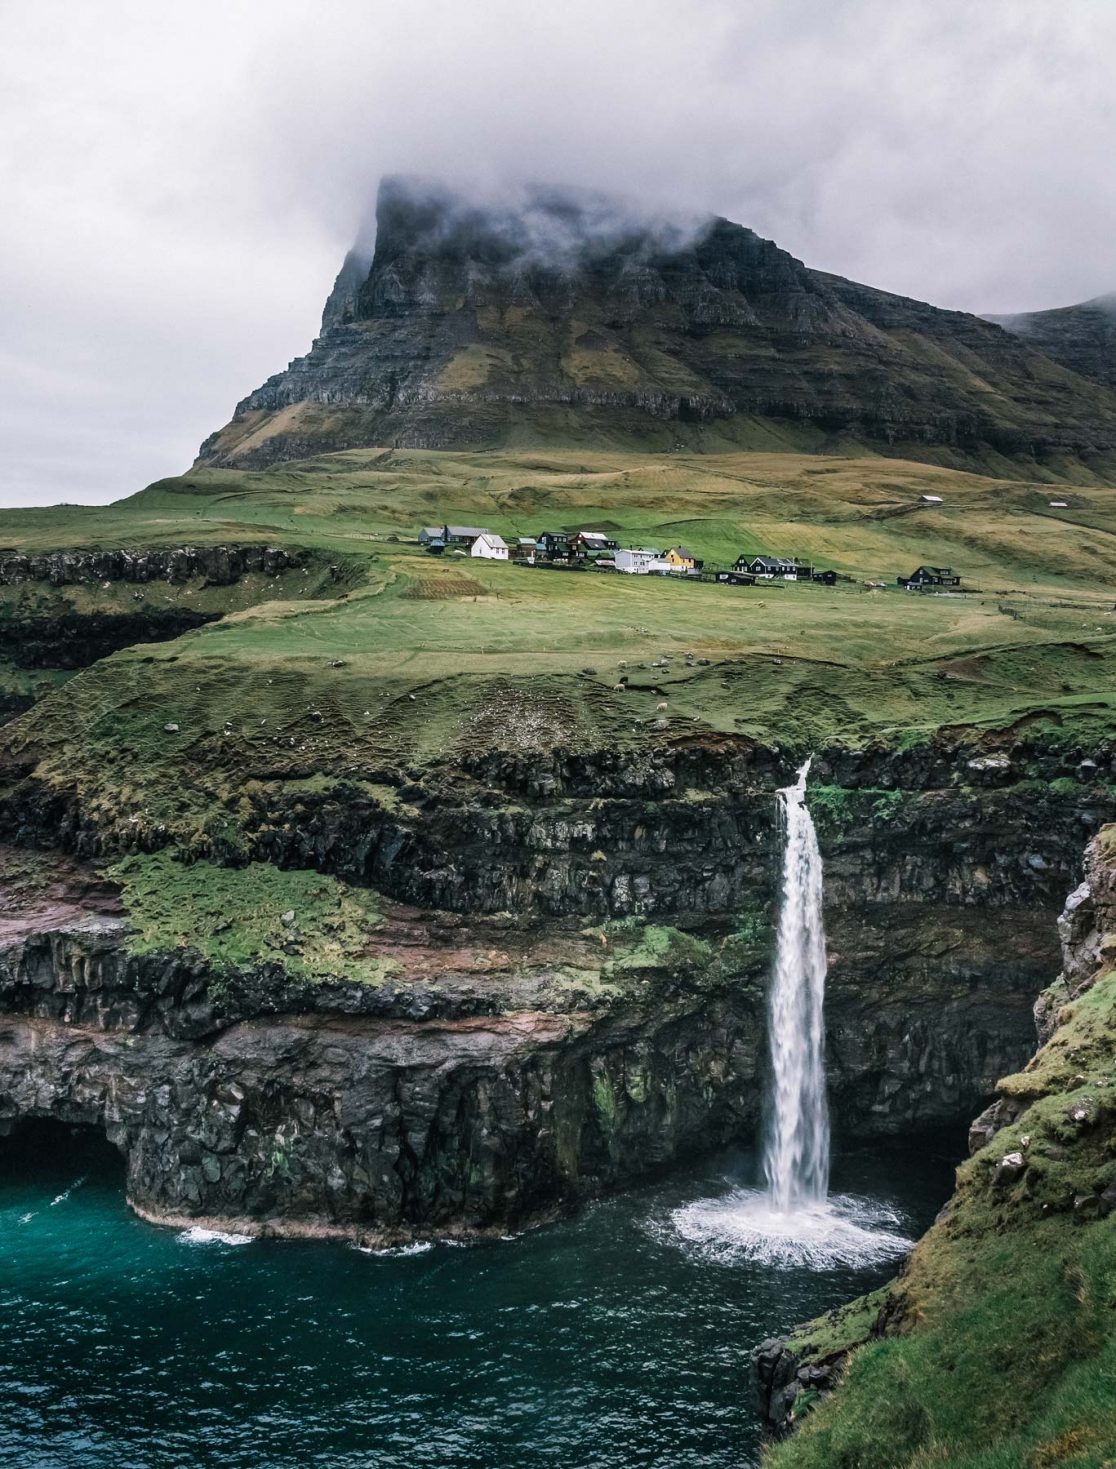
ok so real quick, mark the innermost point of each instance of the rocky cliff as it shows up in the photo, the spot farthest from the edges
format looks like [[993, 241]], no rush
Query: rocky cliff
[[63, 610], [563, 991], [561, 320], [996, 1343], [217, 565]]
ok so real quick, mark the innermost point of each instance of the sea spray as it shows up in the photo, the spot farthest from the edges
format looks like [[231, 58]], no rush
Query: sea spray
[[796, 1146]]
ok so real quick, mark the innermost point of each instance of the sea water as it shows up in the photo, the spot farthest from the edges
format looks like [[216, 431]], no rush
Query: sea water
[[619, 1338]]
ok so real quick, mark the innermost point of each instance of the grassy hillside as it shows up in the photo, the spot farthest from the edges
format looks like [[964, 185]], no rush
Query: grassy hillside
[[409, 658], [861, 515]]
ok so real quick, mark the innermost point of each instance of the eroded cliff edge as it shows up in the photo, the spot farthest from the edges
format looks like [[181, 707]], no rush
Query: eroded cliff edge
[[997, 1343], [471, 1013]]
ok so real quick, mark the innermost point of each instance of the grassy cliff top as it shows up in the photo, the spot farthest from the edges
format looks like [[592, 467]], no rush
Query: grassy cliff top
[[406, 658]]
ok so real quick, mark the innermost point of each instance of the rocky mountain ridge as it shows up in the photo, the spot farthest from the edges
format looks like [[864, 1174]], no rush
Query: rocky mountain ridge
[[464, 331], [1081, 337]]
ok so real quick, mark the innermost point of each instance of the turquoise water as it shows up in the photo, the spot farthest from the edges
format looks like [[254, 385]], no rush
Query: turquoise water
[[607, 1341]]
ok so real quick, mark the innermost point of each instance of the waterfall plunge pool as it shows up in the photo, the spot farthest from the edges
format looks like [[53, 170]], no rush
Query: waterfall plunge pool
[[616, 1339]]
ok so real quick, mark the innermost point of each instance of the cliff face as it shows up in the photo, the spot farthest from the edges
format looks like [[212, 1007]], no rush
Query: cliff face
[[510, 1063], [558, 321], [1081, 338], [43, 629], [997, 1338], [219, 565]]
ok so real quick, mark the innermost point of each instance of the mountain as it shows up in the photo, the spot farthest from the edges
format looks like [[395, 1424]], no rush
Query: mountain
[[564, 319], [1082, 337]]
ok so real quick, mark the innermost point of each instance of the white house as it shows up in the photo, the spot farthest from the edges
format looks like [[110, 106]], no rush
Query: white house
[[490, 547], [635, 560]]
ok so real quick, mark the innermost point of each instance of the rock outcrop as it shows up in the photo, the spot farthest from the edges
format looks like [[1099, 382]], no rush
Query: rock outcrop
[[218, 565], [570, 322], [63, 637]]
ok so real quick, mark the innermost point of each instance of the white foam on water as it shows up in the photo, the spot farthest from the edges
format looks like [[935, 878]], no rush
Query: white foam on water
[[27, 1218], [416, 1247], [744, 1225], [198, 1236], [65, 1194]]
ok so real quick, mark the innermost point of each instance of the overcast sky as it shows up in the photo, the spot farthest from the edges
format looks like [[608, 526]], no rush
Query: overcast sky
[[178, 184]]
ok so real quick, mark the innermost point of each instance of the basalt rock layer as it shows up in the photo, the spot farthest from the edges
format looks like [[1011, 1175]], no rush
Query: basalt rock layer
[[561, 320], [41, 629], [592, 1008], [218, 565]]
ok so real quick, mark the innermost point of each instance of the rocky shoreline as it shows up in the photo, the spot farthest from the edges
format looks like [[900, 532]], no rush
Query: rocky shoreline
[[507, 1064]]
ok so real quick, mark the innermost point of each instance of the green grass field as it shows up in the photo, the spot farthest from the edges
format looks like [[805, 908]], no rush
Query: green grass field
[[412, 658], [863, 515]]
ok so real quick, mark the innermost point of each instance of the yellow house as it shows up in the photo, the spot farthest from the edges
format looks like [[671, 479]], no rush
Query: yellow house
[[679, 558]]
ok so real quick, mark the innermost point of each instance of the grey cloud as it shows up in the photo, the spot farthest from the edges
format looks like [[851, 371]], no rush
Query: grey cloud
[[180, 184]]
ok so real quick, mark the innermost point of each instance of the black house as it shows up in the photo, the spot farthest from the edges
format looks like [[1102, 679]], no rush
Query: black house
[[826, 578], [929, 576], [554, 545], [770, 567]]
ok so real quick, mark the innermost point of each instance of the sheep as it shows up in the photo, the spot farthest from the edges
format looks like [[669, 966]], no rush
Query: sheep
[[660, 706]]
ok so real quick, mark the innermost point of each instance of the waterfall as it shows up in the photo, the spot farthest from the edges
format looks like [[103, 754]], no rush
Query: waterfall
[[793, 1221], [796, 1146]]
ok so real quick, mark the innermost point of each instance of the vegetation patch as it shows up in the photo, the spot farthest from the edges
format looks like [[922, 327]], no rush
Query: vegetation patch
[[311, 926], [639, 945]]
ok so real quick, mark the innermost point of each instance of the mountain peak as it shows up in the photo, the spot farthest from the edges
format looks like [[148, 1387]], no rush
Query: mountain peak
[[556, 315]]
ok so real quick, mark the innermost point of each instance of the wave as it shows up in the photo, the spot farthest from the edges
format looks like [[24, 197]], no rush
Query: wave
[[396, 1252]]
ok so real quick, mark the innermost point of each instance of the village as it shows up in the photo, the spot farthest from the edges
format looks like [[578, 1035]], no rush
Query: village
[[591, 550]]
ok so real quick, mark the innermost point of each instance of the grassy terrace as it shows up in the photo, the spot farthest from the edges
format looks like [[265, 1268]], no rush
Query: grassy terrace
[[411, 658], [235, 917]]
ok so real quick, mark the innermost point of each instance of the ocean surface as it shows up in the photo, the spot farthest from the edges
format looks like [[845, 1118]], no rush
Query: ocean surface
[[613, 1340]]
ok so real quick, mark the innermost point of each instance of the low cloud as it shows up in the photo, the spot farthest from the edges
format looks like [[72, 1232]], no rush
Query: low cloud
[[181, 183]]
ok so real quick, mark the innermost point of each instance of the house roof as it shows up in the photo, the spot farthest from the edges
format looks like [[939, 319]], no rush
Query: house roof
[[682, 551], [526, 541], [771, 562], [431, 530], [592, 535], [466, 532], [496, 542]]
